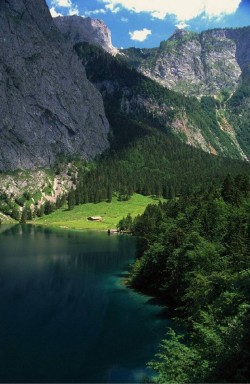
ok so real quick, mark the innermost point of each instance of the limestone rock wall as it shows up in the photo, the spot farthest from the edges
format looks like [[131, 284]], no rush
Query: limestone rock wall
[[47, 105]]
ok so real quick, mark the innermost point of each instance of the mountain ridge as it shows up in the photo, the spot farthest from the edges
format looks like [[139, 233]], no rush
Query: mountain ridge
[[198, 64], [79, 29], [207, 64], [202, 124], [49, 107]]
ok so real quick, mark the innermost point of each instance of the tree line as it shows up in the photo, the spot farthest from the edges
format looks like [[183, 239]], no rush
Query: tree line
[[194, 253]]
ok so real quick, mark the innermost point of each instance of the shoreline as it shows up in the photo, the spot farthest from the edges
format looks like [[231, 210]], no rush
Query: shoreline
[[65, 228]]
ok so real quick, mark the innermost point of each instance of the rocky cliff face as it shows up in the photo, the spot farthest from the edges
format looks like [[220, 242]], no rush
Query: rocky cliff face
[[199, 123], [47, 105], [93, 31], [214, 63], [196, 64]]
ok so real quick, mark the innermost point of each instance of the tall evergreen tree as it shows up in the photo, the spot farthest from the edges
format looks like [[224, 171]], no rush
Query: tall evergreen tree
[[24, 216], [71, 199]]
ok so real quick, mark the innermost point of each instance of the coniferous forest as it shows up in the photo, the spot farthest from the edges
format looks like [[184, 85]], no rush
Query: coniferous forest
[[82, 123], [194, 253]]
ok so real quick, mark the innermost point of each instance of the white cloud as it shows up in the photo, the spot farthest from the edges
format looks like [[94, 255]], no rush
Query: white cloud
[[111, 7], [124, 20], [182, 10], [62, 3], [73, 10], [182, 25], [54, 13], [140, 35], [95, 12], [217, 8]]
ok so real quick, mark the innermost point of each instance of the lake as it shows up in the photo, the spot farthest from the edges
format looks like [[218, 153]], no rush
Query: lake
[[66, 315]]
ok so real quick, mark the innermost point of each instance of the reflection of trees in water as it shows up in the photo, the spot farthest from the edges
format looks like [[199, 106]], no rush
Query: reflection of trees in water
[[62, 270], [62, 309]]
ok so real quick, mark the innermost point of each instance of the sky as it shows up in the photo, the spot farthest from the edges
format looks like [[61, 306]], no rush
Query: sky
[[145, 23]]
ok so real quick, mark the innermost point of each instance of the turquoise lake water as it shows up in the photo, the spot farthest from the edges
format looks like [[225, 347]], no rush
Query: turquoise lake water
[[65, 314]]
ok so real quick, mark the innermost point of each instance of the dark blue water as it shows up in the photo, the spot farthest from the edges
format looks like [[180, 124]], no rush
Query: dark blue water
[[65, 314]]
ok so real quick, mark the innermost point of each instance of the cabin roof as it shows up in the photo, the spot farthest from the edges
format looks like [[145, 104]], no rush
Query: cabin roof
[[94, 218]]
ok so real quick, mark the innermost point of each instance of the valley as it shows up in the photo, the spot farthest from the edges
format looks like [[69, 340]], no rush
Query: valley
[[154, 142]]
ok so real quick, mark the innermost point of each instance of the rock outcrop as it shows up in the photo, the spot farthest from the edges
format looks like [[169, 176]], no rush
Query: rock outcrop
[[196, 64], [47, 105], [200, 123], [84, 29]]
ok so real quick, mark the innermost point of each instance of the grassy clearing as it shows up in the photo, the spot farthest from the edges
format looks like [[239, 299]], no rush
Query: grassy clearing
[[6, 219], [111, 214]]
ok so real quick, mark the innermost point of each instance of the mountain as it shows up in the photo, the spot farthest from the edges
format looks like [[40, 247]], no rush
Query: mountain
[[148, 154], [196, 64], [202, 124], [237, 110], [213, 63], [48, 107], [205, 64], [93, 31]]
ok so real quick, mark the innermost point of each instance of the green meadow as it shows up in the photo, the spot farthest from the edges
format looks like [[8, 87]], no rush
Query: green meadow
[[111, 214]]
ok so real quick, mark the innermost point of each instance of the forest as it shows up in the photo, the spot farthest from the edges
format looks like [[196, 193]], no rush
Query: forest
[[128, 93], [145, 155], [193, 253]]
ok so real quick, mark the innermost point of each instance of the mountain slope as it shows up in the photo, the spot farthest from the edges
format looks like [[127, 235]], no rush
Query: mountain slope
[[48, 107], [196, 64], [127, 92], [238, 110], [84, 29]]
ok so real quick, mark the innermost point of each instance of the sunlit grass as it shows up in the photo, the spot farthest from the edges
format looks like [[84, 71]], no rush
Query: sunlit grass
[[111, 213]]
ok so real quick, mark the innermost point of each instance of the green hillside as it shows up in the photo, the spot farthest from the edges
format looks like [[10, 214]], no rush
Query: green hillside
[[128, 92], [238, 110], [111, 213]]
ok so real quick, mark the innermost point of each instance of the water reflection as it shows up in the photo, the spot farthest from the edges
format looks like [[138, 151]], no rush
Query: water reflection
[[65, 316]]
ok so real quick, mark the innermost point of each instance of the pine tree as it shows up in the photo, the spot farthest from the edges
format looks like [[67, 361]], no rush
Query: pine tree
[[71, 199], [40, 211], [29, 213], [48, 207], [24, 216], [228, 188], [15, 213], [109, 194]]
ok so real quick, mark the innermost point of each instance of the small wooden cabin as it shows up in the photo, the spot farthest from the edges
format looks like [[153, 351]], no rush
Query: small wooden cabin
[[95, 218]]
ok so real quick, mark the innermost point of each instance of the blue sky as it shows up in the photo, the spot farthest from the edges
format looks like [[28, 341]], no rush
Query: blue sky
[[145, 23]]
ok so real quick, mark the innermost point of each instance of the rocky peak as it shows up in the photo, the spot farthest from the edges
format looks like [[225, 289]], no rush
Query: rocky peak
[[84, 29], [47, 105], [198, 64], [178, 34]]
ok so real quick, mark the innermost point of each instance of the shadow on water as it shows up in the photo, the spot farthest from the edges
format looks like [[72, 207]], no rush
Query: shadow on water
[[119, 292], [155, 301], [66, 316], [164, 314], [122, 275]]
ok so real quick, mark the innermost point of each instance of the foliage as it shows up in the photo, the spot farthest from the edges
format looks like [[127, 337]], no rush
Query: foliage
[[153, 165], [145, 157], [71, 199], [48, 207], [125, 224], [238, 110], [194, 252], [173, 356], [131, 97], [111, 213]]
